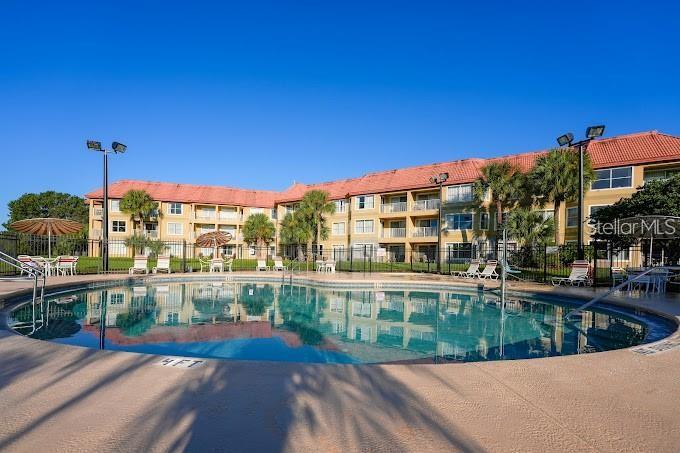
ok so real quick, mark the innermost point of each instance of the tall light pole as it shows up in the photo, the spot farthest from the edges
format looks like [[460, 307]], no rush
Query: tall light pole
[[566, 140], [117, 148], [440, 179]]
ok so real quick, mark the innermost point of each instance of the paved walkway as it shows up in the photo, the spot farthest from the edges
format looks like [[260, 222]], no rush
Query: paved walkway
[[65, 398]]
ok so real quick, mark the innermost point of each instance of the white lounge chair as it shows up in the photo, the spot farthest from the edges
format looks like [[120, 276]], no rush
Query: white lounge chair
[[320, 265], [330, 266], [471, 271], [163, 264], [262, 265], [140, 264], [278, 264], [65, 265], [489, 271], [580, 271]]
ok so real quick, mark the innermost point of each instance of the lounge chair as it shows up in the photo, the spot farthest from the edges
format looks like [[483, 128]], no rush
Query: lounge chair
[[262, 265], [278, 264], [163, 264], [65, 265], [320, 265], [471, 271], [140, 264], [489, 271], [580, 271], [330, 266], [28, 264]]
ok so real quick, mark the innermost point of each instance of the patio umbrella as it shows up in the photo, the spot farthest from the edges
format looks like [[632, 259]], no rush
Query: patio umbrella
[[47, 226], [214, 239]]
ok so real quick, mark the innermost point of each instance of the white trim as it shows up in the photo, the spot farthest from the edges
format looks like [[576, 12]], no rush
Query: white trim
[[181, 233], [181, 208]]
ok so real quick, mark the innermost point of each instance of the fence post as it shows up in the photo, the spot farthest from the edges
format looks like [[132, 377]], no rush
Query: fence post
[[610, 250], [351, 263], [594, 246], [184, 255], [545, 263]]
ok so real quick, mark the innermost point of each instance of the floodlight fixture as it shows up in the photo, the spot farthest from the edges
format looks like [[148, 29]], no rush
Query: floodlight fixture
[[566, 139]]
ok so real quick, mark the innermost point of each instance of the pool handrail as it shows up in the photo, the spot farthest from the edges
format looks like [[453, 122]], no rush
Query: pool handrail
[[36, 274], [616, 288]]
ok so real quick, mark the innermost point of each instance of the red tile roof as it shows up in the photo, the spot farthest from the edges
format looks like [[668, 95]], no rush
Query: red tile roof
[[642, 147], [190, 193]]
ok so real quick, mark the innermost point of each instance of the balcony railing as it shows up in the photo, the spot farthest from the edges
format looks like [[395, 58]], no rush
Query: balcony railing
[[228, 215], [205, 215], [151, 234], [424, 205], [98, 212], [399, 206], [394, 233], [423, 232]]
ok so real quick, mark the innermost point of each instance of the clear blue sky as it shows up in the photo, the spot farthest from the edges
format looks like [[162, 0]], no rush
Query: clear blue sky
[[258, 94]]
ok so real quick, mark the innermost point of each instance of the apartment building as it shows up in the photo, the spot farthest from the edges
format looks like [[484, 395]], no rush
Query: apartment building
[[395, 211]]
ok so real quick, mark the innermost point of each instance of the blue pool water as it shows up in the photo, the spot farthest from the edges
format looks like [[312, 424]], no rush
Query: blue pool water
[[263, 321]]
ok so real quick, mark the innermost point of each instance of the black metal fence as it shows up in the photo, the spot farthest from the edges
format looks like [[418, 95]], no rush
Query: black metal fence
[[538, 264]]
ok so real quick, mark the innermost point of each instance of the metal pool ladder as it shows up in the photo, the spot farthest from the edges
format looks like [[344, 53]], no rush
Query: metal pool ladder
[[614, 289], [38, 276], [294, 265]]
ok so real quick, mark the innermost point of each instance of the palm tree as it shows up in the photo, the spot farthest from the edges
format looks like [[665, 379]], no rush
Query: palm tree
[[555, 177], [314, 206], [295, 230], [529, 228], [140, 206], [505, 181], [259, 230]]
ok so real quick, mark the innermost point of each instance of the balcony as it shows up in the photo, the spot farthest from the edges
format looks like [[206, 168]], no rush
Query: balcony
[[389, 208], [230, 215], [394, 233], [206, 215], [426, 205], [424, 232], [151, 234], [98, 212]]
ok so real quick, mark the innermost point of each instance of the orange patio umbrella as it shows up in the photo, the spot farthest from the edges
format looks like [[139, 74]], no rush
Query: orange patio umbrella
[[47, 226], [214, 239]]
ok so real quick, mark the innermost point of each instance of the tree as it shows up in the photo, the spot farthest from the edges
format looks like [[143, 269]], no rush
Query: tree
[[555, 177], [259, 230], [314, 206], [140, 206], [295, 230], [506, 183], [529, 228], [661, 197], [48, 204]]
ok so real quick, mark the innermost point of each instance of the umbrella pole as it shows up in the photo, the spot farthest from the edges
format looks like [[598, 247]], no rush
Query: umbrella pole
[[651, 244], [49, 242]]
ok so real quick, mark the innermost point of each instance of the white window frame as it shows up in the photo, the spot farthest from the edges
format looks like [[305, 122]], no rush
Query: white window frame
[[256, 211], [453, 193], [118, 225], [363, 229], [340, 230], [174, 205], [611, 170], [181, 229], [340, 206], [566, 220], [365, 202], [115, 205], [451, 225]]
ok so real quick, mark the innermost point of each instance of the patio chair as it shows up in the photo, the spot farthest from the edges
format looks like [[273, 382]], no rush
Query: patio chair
[[471, 271], [65, 265], [163, 264], [278, 264], [489, 271], [229, 263], [140, 264], [330, 266], [580, 272], [320, 265], [27, 264], [204, 262], [262, 265]]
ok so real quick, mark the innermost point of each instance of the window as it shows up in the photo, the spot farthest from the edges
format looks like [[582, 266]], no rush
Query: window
[[572, 217], [272, 213], [484, 221], [338, 229], [175, 229], [459, 193], [459, 221], [118, 226], [594, 209], [365, 202], [290, 209], [115, 205], [176, 208], [256, 211], [117, 299], [612, 178], [363, 226], [340, 206], [653, 175]]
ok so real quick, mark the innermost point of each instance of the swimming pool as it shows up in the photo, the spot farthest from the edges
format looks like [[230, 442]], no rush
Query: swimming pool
[[302, 323]]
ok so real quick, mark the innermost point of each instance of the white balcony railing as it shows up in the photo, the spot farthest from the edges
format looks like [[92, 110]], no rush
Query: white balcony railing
[[205, 215], [98, 212], [394, 233], [423, 232], [399, 206], [151, 234], [424, 205], [229, 215]]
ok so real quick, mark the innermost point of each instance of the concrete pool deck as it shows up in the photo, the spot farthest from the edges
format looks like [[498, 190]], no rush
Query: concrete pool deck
[[63, 398]]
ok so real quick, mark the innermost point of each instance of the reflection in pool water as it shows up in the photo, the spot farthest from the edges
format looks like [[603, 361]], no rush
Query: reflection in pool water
[[307, 324]]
